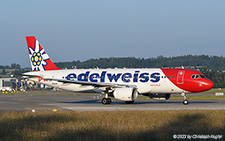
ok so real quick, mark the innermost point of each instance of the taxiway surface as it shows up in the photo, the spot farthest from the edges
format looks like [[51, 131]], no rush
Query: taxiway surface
[[48, 101]]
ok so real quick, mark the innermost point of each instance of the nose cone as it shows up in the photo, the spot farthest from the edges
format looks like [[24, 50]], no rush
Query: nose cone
[[206, 85]]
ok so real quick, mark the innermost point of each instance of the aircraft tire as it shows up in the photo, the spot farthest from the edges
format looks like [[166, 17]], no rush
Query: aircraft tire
[[109, 100], [185, 102], [104, 101]]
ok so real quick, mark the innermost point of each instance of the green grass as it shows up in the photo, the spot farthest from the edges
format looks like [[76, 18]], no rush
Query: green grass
[[198, 97], [110, 125], [191, 97], [173, 97], [203, 97], [214, 90]]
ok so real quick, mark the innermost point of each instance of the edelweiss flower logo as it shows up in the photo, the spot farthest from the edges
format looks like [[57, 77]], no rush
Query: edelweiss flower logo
[[38, 57]]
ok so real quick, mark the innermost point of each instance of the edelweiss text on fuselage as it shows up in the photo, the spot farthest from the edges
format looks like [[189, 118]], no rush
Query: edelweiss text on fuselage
[[114, 77]]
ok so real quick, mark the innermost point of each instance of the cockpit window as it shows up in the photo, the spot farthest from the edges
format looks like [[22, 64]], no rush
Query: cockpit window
[[202, 76], [196, 76]]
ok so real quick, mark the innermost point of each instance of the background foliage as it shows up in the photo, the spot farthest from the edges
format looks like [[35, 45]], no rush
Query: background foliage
[[213, 67]]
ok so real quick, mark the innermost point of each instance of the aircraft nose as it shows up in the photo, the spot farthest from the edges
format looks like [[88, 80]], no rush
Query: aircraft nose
[[207, 84]]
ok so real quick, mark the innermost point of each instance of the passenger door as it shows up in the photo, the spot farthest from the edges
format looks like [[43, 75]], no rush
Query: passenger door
[[180, 77]]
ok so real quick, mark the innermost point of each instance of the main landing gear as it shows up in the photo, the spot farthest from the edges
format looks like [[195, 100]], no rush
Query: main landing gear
[[185, 102], [106, 100]]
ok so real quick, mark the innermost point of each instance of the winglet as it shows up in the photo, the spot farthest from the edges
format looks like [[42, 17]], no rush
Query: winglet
[[39, 59]]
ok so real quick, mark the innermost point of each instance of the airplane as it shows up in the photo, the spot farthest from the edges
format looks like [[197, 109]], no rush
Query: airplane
[[122, 84]]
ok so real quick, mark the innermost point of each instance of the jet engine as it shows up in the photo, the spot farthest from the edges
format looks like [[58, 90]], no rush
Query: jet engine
[[125, 94], [159, 96]]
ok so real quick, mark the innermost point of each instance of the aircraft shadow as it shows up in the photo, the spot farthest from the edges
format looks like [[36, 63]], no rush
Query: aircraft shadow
[[94, 101], [98, 101]]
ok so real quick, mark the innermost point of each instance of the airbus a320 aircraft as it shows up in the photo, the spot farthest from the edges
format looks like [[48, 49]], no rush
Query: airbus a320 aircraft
[[122, 84]]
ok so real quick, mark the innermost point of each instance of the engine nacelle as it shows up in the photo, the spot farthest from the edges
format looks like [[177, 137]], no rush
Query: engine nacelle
[[159, 96], [125, 94]]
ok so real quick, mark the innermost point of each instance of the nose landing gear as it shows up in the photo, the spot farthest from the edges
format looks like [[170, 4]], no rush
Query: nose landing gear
[[185, 102]]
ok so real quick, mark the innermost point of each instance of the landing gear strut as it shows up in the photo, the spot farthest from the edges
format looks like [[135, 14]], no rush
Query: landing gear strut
[[106, 100], [185, 102]]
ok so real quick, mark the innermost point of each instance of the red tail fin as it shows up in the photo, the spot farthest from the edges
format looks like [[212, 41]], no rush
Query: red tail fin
[[39, 59]]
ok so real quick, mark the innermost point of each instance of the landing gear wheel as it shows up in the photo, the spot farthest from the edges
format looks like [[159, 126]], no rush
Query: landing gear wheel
[[109, 100], [129, 102], [104, 101], [185, 102]]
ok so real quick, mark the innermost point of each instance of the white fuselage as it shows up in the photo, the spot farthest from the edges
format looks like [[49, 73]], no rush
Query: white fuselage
[[145, 80]]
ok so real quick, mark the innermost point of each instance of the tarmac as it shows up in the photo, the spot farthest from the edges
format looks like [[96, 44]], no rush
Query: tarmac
[[63, 101]]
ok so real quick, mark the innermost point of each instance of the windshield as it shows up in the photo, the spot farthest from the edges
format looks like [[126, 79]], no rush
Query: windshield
[[196, 76]]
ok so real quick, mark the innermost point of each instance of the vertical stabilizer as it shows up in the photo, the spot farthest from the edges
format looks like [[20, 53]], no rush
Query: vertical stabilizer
[[39, 59]]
